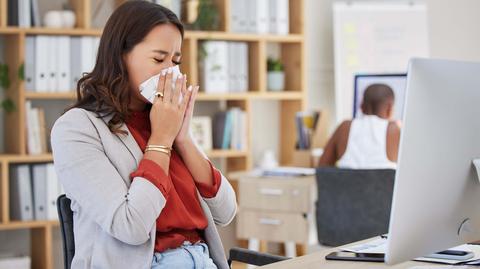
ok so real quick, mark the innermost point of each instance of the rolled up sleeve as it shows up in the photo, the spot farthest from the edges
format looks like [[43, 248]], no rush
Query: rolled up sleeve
[[151, 171]]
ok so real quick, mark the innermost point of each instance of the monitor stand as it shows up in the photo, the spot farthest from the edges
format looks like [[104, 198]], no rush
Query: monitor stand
[[476, 164]]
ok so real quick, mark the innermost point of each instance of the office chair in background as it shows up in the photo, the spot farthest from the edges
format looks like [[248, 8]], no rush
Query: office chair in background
[[352, 204]]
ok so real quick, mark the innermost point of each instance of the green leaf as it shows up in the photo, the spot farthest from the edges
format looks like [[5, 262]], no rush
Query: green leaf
[[202, 52], [21, 72], [8, 105], [274, 65], [208, 16], [4, 79]]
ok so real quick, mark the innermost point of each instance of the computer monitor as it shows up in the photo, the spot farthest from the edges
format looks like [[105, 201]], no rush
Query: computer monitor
[[396, 81], [436, 200]]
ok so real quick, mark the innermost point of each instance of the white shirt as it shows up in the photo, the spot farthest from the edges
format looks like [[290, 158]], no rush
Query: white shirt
[[367, 145]]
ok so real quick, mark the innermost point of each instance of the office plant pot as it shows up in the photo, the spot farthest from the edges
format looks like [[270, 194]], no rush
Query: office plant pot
[[276, 80]]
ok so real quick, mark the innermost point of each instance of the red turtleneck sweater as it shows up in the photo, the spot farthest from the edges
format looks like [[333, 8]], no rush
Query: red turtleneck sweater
[[182, 218]]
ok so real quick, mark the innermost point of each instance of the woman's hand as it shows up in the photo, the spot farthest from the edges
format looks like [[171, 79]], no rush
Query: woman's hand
[[184, 133], [167, 113]]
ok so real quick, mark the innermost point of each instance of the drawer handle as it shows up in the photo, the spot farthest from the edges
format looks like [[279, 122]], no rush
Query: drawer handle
[[266, 221], [269, 191]]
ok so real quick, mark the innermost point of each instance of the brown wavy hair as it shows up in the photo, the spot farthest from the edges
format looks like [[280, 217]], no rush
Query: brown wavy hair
[[106, 90]]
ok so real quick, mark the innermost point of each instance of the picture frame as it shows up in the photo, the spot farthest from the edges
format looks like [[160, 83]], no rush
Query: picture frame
[[201, 130]]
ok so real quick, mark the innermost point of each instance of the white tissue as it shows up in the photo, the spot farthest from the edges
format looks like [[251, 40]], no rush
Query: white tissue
[[149, 86]]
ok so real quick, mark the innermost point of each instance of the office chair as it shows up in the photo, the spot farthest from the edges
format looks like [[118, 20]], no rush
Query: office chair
[[352, 204], [65, 216]]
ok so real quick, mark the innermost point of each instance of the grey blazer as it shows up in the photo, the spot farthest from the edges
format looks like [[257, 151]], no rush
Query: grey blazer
[[114, 217]]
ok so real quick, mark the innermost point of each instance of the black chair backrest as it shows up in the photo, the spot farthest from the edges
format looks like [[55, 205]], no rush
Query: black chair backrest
[[65, 216], [352, 204]]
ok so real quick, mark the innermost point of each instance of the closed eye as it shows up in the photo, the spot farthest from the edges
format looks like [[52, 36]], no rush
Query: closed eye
[[161, 61]]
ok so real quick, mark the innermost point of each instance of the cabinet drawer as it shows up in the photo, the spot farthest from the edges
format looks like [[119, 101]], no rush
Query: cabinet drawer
[[274, 227], [278, 195]]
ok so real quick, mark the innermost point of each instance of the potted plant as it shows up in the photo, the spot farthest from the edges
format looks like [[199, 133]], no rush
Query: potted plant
[[6, 104], [207, 16], [275, 75]]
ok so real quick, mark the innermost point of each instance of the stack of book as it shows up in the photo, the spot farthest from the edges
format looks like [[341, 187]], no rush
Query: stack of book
[[36, 130], [23, 13], [230, 129], [260, 16], [224, 66], [34, 190], [306, 122], [56, 63]]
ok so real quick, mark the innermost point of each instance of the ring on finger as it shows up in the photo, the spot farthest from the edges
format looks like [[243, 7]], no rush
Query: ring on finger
[[159, 94]]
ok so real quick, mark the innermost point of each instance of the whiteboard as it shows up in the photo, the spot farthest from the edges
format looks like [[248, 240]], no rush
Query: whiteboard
[[374, 37]]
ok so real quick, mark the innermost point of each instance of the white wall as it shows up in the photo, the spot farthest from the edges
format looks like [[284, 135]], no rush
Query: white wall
[[453, 28]]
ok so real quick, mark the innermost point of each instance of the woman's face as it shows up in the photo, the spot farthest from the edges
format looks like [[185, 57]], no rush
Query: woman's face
[[160, 49]]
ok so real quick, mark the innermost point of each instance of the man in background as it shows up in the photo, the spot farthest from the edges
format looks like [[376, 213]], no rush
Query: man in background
[[370, 141]]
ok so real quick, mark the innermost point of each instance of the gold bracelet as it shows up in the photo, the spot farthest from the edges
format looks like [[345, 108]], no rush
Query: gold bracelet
[[166, 151], [158, 147]]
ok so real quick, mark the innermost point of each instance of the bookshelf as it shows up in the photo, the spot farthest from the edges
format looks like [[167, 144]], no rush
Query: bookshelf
[[293, 99]]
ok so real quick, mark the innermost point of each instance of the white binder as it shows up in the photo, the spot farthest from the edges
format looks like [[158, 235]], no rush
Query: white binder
[[33, 129], [51, 64], [35, 14], [87, 53], [63, 64], [28, 13], [243, 59], [53, 191], [233, 66], [30, 63], [39, 183], [95, 45], [21, 205], [75, 61], [41, 59], [258, 16], [215, 67], [24, 16], [238, 16], [283, 20]]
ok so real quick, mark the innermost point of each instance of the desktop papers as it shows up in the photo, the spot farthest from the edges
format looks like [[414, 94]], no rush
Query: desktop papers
[[378, 246]]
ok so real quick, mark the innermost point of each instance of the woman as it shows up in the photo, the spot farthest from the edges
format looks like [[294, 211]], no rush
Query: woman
[[143, 195]]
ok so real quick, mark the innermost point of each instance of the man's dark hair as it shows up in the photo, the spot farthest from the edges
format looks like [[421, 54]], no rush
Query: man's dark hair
[[375, 97]]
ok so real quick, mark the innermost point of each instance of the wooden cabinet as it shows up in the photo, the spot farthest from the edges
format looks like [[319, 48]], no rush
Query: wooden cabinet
[[277, 210]]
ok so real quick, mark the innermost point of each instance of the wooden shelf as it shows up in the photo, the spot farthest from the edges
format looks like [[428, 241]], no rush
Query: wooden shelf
[[17, 225], [50, 95], [242, 36], [292, 53], [14, 158], [50, 31], [201, 35], [285, 95]]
